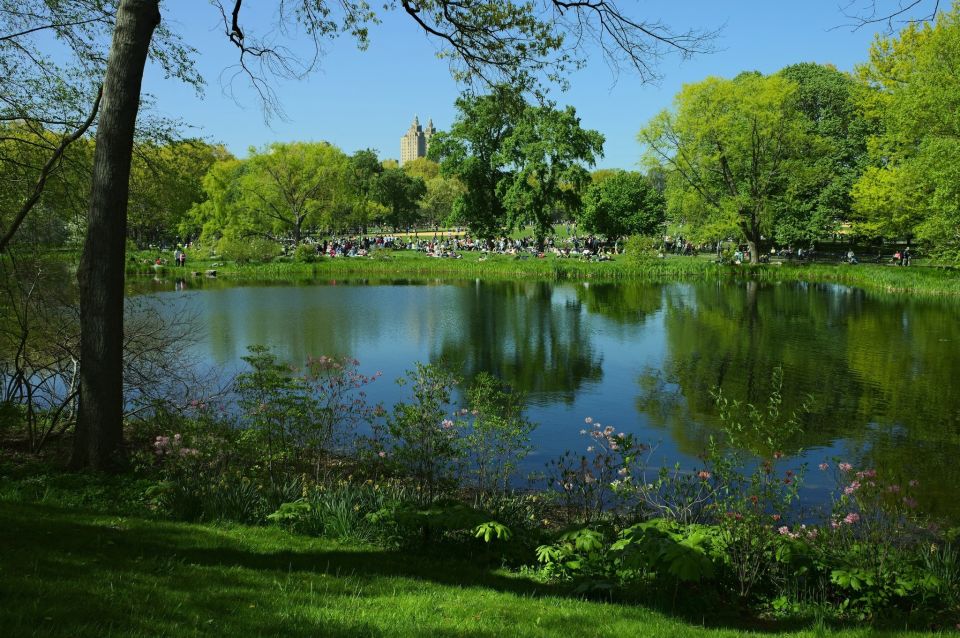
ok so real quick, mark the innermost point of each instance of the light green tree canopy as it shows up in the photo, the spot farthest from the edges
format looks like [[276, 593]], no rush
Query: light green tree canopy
[[912, 187], [729, 145]]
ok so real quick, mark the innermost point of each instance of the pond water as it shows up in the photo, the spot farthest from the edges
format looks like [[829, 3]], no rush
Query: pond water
[[883, 371]]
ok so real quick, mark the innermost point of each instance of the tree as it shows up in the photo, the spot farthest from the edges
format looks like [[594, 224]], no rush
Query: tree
[[912, 187], [518, 163], [166, 181], [471, 152], [437, 205], [422, 167], [483, 40], [546, 149], [623, 204], [817, 197], [729, 145], [400, 194]]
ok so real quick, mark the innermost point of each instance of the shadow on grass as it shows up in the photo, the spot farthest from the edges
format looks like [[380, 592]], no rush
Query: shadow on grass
[[68, 573]]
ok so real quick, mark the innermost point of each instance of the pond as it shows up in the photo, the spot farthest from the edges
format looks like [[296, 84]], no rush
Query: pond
[[881, 369]]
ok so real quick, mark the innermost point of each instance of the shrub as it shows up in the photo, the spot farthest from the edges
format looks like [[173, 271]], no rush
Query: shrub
[[497, 436], [306, 253], [640, 249], [424, 443], [248, 249]]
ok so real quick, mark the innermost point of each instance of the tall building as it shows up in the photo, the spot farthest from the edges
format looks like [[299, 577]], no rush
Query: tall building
[[415, 141]]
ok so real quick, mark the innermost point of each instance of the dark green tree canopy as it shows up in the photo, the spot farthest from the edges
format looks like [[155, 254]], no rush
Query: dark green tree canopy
[[624, 203]]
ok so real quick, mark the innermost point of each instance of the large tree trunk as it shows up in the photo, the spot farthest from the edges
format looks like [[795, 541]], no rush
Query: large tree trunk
[[99, 431]]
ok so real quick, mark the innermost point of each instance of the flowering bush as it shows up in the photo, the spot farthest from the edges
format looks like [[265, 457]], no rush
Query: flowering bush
[[420, 442]]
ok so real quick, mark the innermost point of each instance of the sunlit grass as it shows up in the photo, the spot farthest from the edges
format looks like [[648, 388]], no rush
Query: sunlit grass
[[65, 572]]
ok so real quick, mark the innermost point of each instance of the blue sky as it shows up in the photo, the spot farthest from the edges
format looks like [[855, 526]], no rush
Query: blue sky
[[366, 99]]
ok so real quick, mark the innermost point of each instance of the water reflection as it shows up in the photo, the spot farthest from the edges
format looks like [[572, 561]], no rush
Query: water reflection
[[880, 368]]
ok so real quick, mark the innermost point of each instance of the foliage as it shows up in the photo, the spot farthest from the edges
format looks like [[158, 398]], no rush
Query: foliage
[[420, 440], [621, 204], [400, 194], [546, 152], [818, 195], [910, 189], [640, 249], [301, 418], [518, 163], [470, 152], [497, 438], [729, 146], [277, 193]]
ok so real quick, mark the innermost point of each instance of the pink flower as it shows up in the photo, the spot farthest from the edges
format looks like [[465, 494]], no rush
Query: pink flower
[[447, 424], [783, 531], [823, 467], [775, 517], [851, 518], [703, 475], [845, 467], [382, 454], [853, 487], [834, 524]]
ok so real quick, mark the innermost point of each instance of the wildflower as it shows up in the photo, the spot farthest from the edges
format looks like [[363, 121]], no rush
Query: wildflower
[[834, 524], [703, 475], [893, 489], [812, 533], [588, 420], [851, 518], [382, 454], [613, 446], [583, 431], [824, 467], [783, 531], [913, 483], [447, 424], [775, 517], [853, 487], [623, 471], [845, 467]]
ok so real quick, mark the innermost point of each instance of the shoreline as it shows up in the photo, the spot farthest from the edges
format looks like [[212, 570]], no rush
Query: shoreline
[[914, 280]]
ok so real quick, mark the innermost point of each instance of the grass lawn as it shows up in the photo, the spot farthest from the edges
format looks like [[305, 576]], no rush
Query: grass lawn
[[72, 572]]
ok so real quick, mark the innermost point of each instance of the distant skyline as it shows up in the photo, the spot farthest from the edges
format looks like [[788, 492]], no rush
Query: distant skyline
[[366, 99]]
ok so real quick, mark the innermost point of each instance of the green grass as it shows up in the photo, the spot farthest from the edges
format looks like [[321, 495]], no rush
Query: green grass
[[69, 572], [405, 264]]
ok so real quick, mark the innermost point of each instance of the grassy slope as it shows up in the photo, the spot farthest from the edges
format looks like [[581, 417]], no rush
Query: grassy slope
[[67, 572], [916, 280]]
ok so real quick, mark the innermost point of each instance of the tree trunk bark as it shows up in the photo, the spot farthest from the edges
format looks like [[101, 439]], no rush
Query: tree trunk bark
[[99, 432]]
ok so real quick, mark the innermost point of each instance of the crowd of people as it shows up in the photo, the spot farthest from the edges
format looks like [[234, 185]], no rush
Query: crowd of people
[[453, 245]]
